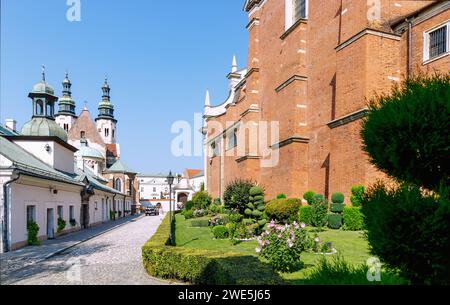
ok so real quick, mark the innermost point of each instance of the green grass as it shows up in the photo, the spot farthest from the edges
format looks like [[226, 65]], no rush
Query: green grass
[[349, 244]]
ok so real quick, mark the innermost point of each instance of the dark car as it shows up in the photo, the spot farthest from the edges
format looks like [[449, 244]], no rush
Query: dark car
[[151, 210]]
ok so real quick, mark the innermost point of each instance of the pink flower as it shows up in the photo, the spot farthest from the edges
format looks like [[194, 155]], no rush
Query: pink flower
[[258, 250], [271, 224], [267, 242], [279, 235], [316, 239], [295, 225], [260, 242], [290, 244], [302, 225]]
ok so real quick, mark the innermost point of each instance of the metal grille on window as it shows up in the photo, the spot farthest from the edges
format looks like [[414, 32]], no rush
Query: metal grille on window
[[438, 42], [299, 9]]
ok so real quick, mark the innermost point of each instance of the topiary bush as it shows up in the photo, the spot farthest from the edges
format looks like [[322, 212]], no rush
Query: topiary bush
[[220, 232], [353, 219], [281, 196], [337, 198], [406, 133], [409, 231], [357, 193], [236, 195], [256, 206], [334, 221], [337, 207], [283, 210], [308, 196], [319, 211], [305, 215], [202, 200]]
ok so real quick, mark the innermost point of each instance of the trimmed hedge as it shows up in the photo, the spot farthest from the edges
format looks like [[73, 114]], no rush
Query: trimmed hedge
[[203, 267], [305, 215], [220, 232], [200, 223], [353, 219], [334, 221], [283, 210]]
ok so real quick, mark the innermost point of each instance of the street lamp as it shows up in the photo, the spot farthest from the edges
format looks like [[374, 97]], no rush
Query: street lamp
[[170, 182]]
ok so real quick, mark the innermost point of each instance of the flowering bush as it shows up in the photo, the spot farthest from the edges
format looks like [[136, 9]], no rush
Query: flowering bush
[[218, 220], [199, 213], [283, 245]]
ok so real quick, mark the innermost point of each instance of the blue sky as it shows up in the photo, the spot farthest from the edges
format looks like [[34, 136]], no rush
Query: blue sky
[[160, 57]]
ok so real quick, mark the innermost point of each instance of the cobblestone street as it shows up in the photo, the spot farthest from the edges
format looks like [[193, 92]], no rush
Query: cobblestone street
[[113, 258]]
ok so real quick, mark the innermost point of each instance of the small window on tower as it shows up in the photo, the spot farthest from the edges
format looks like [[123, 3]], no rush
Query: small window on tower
[[106, 132], [66, 127], [113, 133], [82, 134], [39, 107]]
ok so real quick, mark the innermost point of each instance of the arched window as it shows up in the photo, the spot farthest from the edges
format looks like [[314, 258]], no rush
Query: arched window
[[39, 107], [118, 184]]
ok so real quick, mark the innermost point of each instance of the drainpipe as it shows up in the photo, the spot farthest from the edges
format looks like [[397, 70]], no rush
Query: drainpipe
[[410, 54], [114, 206], [5, 211]]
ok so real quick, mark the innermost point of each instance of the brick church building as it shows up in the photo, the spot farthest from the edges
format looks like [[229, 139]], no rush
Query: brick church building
[[293, 117]]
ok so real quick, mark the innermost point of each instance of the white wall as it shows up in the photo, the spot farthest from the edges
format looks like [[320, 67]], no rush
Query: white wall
[[42, 199], [151, 187], [57, 157], [102, 125], [197, 183]]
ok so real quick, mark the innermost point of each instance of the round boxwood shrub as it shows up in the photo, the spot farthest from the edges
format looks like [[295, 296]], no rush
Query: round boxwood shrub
[[305, 215], [406, 133], [283, 210], [334, 221], [353, 219], [220, 232], [409, 231], [337, 198], [281, 196], [308, 196]]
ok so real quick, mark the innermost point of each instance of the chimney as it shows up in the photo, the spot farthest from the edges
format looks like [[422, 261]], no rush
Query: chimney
[[11, 124]]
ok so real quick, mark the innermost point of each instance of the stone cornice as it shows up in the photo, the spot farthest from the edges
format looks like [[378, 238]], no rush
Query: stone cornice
[[289, 81], [364, 32], [348, 118], [247, 157], [293, 27], [251, 71], [290, 140]]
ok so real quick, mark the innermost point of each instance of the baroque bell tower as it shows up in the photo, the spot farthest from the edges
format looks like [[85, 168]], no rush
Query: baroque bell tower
[[66, 116], [106, 123]]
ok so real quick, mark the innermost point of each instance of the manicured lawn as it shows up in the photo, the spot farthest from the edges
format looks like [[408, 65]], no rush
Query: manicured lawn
[[351, 245]]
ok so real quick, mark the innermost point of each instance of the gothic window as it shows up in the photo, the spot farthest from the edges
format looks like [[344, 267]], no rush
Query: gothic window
[[82, 134], [118, 184], [66, 127], [39, 107]]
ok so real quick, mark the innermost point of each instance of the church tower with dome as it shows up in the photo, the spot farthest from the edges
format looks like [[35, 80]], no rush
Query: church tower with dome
[[106, 123], [66, 116]]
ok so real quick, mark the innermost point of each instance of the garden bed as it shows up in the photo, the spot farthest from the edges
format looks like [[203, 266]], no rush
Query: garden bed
[[236, 262]]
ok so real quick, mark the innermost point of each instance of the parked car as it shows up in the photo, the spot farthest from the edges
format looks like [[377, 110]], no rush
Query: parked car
[[151, 210]]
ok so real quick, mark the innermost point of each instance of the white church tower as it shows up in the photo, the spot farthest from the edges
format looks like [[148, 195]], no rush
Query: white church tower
[[106, 124], [66, 116]]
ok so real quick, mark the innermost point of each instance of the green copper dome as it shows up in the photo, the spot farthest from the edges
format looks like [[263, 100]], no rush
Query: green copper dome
[[43, 87], [44, 127]]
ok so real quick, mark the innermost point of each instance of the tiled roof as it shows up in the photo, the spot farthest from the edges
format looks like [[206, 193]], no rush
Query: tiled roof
[[29, 164], [6, 131], [119, 167], [200, 174], [190, 173], [82, 175]]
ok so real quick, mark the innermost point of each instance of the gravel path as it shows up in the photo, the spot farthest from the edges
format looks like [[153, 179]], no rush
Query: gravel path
[[110, 259]]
